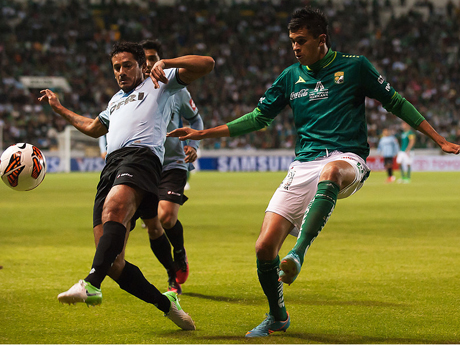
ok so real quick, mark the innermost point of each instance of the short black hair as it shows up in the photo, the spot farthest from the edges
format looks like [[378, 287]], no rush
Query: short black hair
[[153, 44], [313, 20], [129, 47]]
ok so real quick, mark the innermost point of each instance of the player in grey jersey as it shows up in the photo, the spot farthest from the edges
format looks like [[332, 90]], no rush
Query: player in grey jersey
[[177, 163], [128, 188]]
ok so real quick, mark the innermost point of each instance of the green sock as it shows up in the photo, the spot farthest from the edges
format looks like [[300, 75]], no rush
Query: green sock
[[316, 216], [273, 289], [408, 172], [403, 175]]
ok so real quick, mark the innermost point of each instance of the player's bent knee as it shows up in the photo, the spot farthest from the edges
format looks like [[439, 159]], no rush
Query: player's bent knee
[[266, 251]]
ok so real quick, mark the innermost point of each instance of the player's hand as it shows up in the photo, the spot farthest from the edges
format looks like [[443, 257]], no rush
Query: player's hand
[[157, 74], [190, 154], [51, 97], [451, 148], [185, 133]]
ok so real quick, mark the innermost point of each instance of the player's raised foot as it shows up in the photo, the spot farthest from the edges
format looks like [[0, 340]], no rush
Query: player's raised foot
[[174, 286], [81, 292], [289, 268], [177, 315], [181, 262], [268, 326]]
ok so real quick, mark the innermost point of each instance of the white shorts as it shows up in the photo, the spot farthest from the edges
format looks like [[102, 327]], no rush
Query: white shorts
[[405, 158], [299, 186]]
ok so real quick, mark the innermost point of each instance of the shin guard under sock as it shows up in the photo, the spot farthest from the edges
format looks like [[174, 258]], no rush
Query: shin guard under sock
[[273, 289], [316, 216], [162, 250], [176, 236], [133, 281], [110, 245]]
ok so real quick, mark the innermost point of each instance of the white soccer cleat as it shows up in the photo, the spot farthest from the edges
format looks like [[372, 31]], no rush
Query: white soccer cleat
[[81, 292], [177, 315]]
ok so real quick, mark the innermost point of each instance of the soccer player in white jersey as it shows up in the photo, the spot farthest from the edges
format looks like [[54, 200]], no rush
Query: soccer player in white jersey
[[177, 163], [128, 188]]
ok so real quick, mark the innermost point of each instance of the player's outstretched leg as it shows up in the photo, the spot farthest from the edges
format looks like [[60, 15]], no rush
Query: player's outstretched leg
[[177, 315], [317, 214], [81, 292], [268, 326]]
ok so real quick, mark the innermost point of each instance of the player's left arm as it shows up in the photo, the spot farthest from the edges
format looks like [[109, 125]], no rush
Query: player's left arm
[[191, 67], [378, 88]]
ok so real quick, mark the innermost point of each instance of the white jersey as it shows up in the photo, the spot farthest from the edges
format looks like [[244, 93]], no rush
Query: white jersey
[[137, 118], [180, 106]]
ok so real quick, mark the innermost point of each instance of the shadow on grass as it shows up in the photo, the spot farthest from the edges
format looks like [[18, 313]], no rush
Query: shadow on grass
[[291, 338], [303, 301]]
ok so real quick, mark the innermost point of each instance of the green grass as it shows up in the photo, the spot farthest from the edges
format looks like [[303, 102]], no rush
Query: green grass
[[385, 269]]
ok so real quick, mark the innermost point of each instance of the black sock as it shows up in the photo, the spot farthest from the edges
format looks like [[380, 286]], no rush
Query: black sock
[[133, 281], [110, 245], [176, 236], [162, 250]]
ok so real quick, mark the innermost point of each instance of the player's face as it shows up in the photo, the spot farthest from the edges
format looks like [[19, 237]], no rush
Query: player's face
[[307, 49], [151, 56], [127, 71]]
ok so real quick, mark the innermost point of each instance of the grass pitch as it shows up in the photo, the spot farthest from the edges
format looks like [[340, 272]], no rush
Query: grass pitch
[[384, 269]]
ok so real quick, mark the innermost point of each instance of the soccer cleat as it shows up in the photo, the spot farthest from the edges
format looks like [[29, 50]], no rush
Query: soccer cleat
[[174, 286], [268, 326], [289, 268], [181, 262], [81, 292], [177, 315]]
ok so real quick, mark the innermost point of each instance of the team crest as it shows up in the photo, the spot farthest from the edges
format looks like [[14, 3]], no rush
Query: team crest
[[339, 77]]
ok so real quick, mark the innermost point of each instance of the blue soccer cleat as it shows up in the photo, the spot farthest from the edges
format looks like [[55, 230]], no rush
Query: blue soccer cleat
[[268, 326], [289, 268]]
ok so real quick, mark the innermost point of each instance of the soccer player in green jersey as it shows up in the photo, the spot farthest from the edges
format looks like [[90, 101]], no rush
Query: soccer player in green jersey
[[405, 156], [326, 91]]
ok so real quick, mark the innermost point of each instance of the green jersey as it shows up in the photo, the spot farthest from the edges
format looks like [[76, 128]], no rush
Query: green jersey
[[405, 139], [327, 100]]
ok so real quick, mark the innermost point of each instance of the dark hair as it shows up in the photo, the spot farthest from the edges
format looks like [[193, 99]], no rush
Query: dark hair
[[313, 20], [129, 47], [149, 44]]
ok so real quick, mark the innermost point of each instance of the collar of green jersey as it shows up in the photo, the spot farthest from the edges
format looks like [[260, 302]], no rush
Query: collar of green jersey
[[325, 61]]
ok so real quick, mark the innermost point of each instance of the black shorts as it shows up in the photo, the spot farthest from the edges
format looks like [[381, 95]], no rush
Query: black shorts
[[387, 160], [172, 186], [133, 166]]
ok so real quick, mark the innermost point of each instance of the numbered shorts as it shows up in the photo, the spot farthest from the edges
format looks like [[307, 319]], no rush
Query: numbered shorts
[[299, 186], [132, 166], [403, 158], [172, 185]]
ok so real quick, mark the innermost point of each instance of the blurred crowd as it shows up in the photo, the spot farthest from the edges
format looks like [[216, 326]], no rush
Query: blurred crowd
[[418, 54]]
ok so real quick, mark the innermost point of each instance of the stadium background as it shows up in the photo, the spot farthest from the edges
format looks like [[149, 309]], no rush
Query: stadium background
[[64, 45]]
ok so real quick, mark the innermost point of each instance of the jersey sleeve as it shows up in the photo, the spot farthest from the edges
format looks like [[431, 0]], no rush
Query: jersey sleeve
[[104, 117], [376, 87], [174, 82], [275, 98], [188, 109]]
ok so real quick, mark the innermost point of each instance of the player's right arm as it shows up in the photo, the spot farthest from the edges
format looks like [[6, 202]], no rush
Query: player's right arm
[[250, 122], [91, 127]]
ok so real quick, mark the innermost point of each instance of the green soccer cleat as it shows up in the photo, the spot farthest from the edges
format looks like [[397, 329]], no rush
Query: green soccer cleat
[[289, 268], [81, 292], [177, 315], [268, 326]]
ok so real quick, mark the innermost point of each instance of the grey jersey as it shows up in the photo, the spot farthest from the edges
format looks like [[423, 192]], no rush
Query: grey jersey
[[137, 118], [180, 106]]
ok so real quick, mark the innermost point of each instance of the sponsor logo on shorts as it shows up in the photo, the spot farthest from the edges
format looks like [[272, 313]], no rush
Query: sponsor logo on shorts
[[288, 180], [170, 192], [124, 175]]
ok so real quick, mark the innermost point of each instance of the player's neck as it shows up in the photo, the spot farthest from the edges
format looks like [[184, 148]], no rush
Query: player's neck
[[324, 60]]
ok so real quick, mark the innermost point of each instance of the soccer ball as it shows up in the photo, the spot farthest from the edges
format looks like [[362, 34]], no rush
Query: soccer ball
[[22, 167]]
